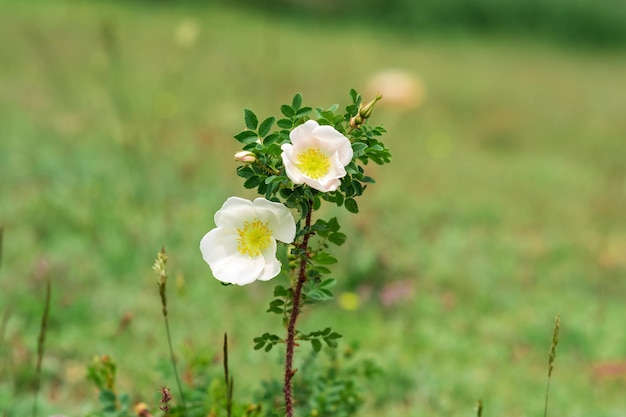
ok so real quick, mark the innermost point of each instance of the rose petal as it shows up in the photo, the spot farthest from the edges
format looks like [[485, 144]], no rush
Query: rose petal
[[329, 138], [272, 264], [234, 212], [278, 217], [303, 133], [219, 250]]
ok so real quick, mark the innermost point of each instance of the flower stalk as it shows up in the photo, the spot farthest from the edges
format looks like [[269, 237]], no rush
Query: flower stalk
[[295, 312], [161, 271]]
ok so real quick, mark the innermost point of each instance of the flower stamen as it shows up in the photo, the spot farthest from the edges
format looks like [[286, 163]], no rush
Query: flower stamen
[[313, 163], [254, 238]]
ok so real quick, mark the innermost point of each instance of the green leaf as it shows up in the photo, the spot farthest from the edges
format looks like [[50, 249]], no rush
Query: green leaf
[[351, 205], [303, 112], [337, 238], [251, 120], [276, 306], [319, 295], [266, 125], [353, 94], [339, 199], [280, 291], [333, 224], [107, 396], [358, 148], [322, 269], [332, 343], [328, 283], [324, 258], [108, 401], [287, 110], [252, 182], [245, 171], [247, 136], [268, 140], [285, 123], [297, 101], [316, 345]]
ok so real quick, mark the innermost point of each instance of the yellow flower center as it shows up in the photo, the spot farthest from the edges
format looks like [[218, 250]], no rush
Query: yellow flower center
[[313, 163], [254, 237]]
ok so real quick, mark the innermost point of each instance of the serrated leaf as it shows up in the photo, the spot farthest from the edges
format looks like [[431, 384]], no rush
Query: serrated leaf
[[351, 205], [245, 171], [297, 101], [252, 182], [251, 120], [247, 136], [266, 125], [339, 199], [303, 112], [285, 123], [288, 111], [358, 148], [268, 140]]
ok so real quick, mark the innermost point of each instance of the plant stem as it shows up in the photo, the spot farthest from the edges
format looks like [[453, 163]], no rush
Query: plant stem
[[295, 311], [173, 359], [545, 407], [40, 345]]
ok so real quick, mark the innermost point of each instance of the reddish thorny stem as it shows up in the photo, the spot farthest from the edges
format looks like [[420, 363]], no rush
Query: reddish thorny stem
[[295, 311]]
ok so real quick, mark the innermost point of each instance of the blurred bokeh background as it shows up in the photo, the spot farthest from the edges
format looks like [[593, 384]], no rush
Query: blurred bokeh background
[[505, 203]]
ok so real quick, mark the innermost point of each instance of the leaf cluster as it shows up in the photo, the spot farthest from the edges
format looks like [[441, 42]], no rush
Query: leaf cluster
[[316, 338], [267, 173]]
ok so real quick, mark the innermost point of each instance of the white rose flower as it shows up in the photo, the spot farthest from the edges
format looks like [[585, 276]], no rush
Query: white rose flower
[[316, 156], [242, 248]]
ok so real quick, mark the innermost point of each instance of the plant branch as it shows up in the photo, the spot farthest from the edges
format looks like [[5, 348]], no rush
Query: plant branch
[[295, 311]]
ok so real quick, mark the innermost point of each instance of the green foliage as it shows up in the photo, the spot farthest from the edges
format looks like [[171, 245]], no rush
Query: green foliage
[[267, 174], [326, 385], [589, 22], [102, 372]]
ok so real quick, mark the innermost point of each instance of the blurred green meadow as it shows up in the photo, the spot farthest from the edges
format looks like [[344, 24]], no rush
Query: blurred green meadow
[[505, 205]]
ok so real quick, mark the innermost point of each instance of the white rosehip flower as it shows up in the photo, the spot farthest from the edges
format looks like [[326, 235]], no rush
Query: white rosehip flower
[[316, 156], [242, 248]]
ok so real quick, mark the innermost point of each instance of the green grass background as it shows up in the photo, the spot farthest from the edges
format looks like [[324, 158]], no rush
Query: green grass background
[[505, 204]]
